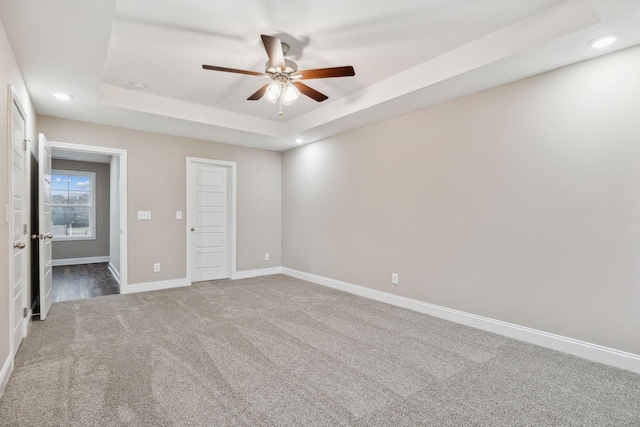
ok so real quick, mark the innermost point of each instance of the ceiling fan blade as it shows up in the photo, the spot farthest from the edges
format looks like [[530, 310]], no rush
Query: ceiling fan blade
[[311, 93], [259, 93], [232, 70], [273, 46], [323, 73]]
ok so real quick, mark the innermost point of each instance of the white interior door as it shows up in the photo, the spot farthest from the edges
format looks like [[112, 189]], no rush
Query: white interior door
[[19, 232], [45, 236], [208, 222]]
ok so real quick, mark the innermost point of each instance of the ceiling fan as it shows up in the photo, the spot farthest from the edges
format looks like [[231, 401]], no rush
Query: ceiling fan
[[286, 86]]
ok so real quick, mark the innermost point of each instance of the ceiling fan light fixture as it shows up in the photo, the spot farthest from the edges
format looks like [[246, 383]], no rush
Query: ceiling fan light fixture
[[273, 91], [289, 94]]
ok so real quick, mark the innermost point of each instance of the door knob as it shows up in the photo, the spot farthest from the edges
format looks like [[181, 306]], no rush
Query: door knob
[[19, 245], [193, 229], [48, 236], [34, 237]]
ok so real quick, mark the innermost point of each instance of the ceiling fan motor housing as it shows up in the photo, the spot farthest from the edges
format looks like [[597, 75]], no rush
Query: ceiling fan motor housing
[[291, 67]]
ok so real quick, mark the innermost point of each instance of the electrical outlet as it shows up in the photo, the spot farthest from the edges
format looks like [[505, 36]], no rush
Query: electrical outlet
[[266, 257], [394, 278], [156, 267], [145, 215]]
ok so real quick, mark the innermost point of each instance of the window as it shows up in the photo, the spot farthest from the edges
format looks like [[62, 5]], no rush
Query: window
[[73, 207]]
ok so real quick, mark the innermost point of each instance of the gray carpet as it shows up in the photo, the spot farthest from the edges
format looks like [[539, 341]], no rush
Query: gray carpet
[[280, 351]]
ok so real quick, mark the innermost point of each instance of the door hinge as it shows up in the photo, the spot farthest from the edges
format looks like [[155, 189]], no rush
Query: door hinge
[[24, 229], [24, 144], [25, 312]]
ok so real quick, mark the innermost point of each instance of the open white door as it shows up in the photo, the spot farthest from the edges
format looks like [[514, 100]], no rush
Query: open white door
[[45, 236], [18, 233]]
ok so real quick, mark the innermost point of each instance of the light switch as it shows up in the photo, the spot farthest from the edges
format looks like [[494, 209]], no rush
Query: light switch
[[178, 214], [144, 214]]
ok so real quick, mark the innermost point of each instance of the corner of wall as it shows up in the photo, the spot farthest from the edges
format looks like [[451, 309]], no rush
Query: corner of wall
[[7, 367]]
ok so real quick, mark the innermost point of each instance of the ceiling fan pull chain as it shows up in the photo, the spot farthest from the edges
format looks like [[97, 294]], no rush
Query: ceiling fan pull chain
[[280, 104]]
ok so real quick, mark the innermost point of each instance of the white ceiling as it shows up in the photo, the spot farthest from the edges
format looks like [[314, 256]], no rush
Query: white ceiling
[[408, 54]]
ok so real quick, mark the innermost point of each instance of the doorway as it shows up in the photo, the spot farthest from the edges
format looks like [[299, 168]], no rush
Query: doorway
[[82, 221], [211, 219], [83, 176]]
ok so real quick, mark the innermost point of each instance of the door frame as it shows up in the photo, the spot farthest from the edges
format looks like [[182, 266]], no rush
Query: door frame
[[231, 203], [14, 99], [121, 155]]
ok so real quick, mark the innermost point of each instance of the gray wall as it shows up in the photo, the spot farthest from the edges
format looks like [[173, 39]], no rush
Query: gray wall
[[156, 176], [521, 203], [100, 245]]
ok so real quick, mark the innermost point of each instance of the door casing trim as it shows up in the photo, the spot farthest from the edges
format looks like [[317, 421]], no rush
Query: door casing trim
[[121, 154]]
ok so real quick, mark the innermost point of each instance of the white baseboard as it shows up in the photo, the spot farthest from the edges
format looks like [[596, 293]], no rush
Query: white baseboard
[[114, 272], [78, 261], [7, 367], [585, 350], [256, 273], [132, 288]]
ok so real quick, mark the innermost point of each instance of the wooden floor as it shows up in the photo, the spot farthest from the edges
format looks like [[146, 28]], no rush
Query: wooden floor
[[71, 282]]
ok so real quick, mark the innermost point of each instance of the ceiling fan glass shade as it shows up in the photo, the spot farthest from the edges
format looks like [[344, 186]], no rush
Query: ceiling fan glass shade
[[287, 91], [273, 91], [289, 94]]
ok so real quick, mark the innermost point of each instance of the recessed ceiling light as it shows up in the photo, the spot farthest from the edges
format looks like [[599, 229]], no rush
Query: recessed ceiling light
[[62, 96], [135, 86], [298, 141], [603, 41]]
